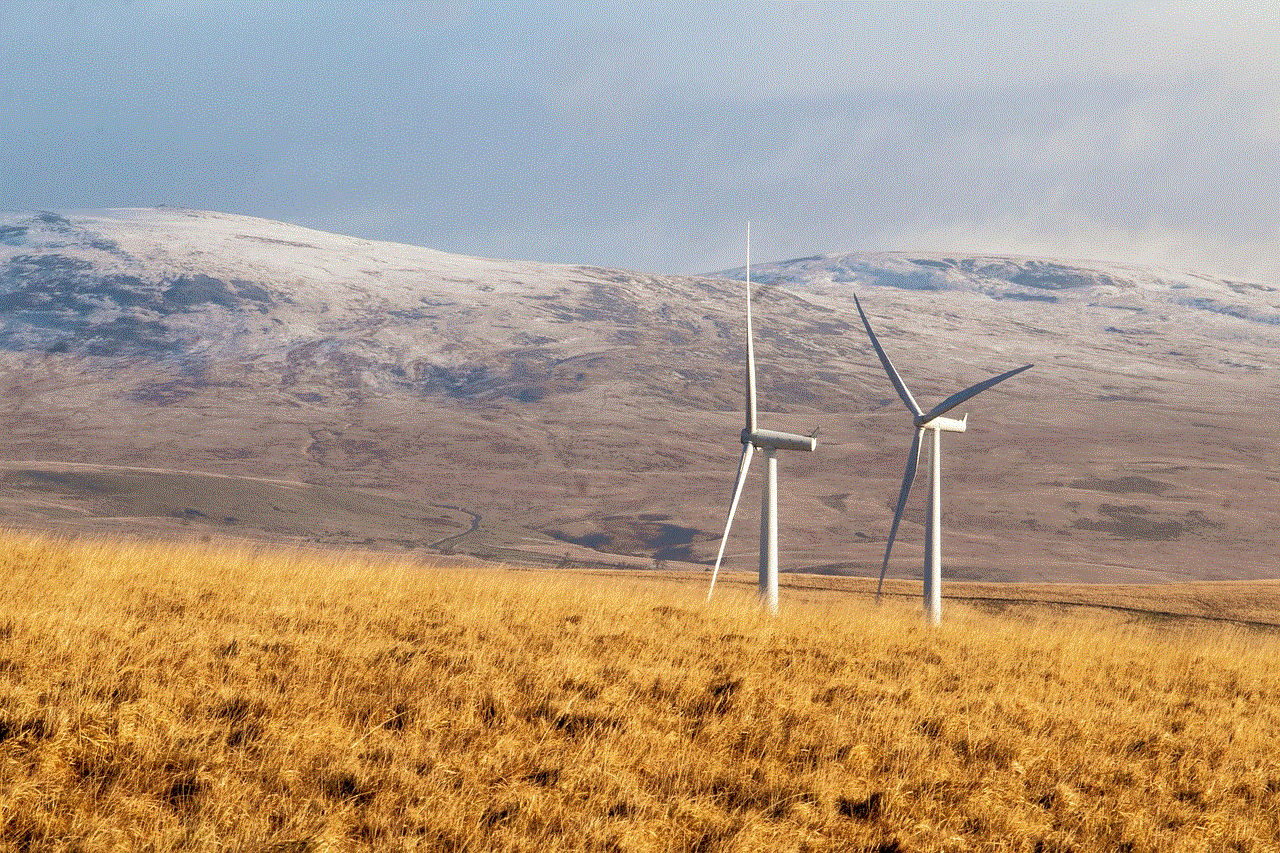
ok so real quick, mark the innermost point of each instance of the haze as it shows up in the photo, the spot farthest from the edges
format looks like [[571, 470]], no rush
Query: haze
[[644, 135]]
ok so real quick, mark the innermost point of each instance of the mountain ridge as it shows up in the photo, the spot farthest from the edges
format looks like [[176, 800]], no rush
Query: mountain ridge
[[597, 410]]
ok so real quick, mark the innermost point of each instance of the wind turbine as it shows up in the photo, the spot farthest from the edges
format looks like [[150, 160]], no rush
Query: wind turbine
[[770, 441], [930, 420]]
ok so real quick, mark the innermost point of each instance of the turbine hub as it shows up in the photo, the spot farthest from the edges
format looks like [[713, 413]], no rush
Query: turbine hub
[[944, 424]]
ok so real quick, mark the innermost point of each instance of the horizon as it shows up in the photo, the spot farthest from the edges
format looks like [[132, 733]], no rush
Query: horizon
[[756, 263]]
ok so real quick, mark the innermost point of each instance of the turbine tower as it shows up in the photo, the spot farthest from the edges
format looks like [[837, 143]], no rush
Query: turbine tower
[[933, 421], [770, 441]]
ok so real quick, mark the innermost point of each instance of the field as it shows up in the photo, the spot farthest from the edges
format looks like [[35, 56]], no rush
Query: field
[[234, 697]]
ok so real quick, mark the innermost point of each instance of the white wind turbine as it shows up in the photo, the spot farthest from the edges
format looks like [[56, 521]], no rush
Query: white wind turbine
[[930, 420], [770, 442]]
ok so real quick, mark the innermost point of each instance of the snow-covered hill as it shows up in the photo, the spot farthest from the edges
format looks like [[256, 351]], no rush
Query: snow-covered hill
[[1070, 285], [170, 281], [600, 407], [196, 286]]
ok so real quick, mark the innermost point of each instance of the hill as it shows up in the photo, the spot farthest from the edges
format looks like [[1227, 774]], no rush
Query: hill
[[576, 414]]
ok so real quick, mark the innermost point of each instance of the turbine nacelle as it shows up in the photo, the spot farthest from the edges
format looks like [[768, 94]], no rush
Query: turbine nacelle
[[944, 424], [767, 439]]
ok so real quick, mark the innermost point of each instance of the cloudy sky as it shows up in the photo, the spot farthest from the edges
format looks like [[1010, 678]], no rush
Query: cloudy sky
[[646, 135]]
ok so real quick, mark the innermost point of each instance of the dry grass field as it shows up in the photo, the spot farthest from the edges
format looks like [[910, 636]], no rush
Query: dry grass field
[[221, 697]]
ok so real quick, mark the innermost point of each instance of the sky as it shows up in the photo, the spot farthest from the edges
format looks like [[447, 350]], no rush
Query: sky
[[646, 135]]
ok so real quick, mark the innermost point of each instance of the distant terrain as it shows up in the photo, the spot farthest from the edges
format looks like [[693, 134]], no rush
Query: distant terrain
[[192, 373]]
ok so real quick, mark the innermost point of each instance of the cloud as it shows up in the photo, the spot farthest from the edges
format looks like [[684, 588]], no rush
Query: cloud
[[1233, 42], [1078, 239], [646, 135]]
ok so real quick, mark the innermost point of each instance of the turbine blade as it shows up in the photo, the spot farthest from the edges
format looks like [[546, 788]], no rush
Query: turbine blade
[[743, 464], [751, 347], [913, 458], [960, 396], [888, 365]]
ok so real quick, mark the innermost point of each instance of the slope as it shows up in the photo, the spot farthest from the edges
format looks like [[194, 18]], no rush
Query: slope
[[589, 410]]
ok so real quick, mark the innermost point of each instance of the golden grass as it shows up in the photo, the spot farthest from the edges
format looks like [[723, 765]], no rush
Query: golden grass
[[168, 697]]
